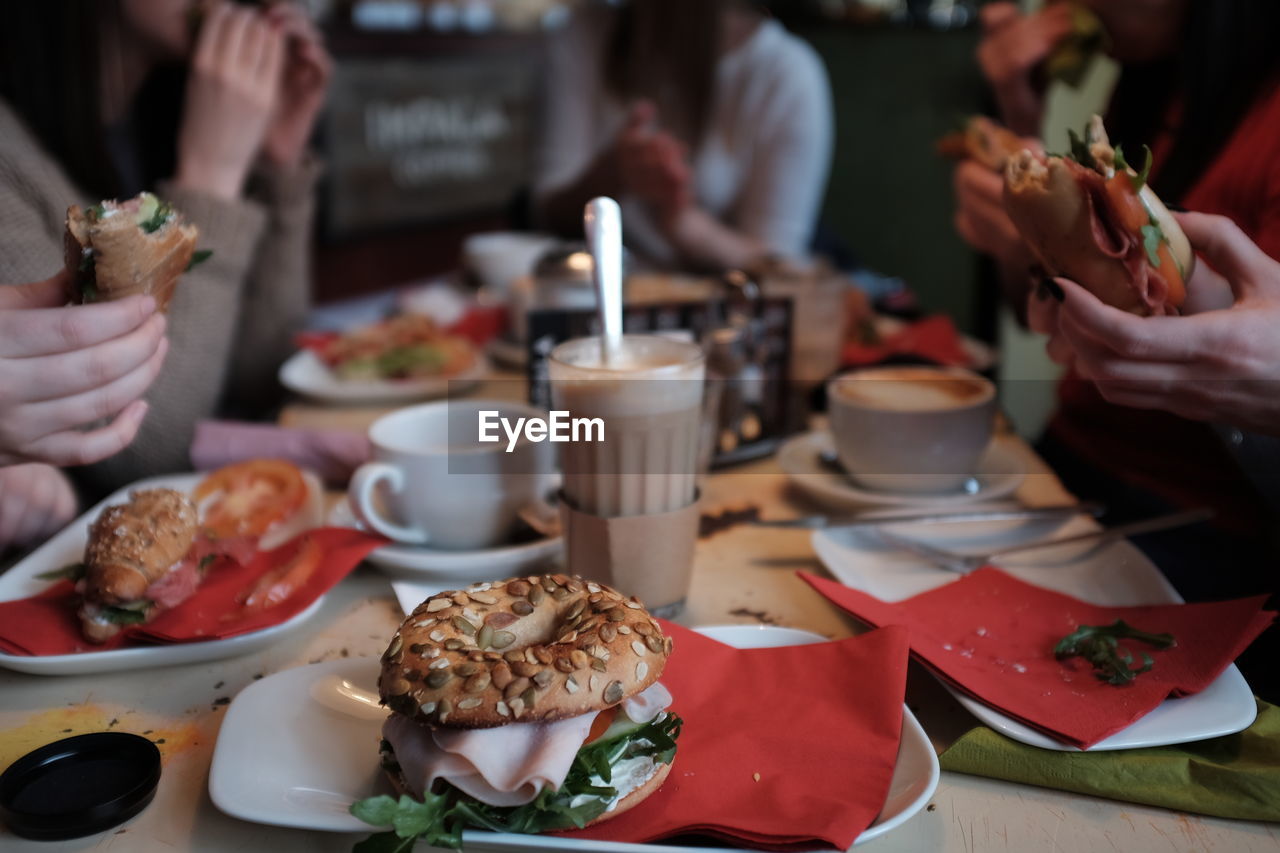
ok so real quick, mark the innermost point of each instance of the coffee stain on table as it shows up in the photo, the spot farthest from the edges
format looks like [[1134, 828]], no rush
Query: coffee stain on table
[[45, 727], [758, 615], [709, 524]]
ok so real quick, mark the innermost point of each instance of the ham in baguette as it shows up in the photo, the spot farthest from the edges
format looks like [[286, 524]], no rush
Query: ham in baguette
[[1091, 218], [982, 140]]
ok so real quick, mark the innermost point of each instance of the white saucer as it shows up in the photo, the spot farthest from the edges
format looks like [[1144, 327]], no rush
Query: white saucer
[[304, 373], [433, 564], [999, 472]]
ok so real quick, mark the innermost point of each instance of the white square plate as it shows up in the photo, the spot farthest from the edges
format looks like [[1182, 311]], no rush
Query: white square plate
[[67, 547], [1114, 575], [298, 747]]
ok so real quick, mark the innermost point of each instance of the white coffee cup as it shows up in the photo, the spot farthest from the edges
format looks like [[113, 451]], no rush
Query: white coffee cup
[[433, 483], [911, 429], [498, 258]]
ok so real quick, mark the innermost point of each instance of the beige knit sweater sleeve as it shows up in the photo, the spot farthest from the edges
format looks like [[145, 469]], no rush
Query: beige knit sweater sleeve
[[231, 318]]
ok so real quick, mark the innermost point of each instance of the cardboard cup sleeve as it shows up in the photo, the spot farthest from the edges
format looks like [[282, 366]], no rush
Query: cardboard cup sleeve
[[648, 556]]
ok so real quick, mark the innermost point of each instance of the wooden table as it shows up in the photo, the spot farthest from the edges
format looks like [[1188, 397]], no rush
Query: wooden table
[[742, 575]]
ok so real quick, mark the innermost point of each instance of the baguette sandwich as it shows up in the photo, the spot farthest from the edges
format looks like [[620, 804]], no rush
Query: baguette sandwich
[[1090, 217], [117, 249], [139, 559], [983, 140]]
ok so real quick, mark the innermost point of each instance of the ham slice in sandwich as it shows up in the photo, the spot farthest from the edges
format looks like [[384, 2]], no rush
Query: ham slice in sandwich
[[508, 765]]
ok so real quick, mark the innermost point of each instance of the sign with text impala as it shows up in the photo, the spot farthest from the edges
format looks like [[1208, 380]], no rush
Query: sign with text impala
[[426, 139]]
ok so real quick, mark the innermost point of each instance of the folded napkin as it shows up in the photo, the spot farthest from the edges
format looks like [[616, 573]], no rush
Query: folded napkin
[[477, 323], [46, 624], [786, 748], [992, 636], [333, 454], [1237, 776], [481, 323], [933, 338]]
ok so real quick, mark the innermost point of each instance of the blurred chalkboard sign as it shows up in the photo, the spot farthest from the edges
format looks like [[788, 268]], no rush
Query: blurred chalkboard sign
[[417, 139], [755, 410]]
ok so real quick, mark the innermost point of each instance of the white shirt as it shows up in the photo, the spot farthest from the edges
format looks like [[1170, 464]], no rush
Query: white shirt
[[763, 164]]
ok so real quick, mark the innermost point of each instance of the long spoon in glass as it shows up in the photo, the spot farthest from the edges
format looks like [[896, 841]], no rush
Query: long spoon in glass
[[602, 220]]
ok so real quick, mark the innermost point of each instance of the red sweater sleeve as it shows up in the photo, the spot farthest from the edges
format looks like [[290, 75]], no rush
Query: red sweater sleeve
[[1243, 183]]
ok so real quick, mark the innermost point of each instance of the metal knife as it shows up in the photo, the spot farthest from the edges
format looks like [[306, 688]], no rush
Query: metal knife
[[878, 517]]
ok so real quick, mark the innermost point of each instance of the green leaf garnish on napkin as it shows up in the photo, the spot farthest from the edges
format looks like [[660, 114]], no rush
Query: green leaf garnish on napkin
[[1099, 644]]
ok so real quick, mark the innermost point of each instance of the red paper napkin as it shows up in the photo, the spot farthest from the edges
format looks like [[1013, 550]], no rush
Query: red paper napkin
[[992, 636], [481, 323], [934, 338], [46, 624], [820, 724]]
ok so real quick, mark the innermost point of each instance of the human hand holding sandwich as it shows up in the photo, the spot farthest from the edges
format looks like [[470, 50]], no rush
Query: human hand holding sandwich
[[63, 367], [1013, 45], [1216, 365]]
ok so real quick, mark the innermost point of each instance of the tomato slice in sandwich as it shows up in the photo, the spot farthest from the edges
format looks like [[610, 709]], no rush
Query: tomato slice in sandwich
[[249, 498], [1125, 202], [601, 724], [1133, 216]]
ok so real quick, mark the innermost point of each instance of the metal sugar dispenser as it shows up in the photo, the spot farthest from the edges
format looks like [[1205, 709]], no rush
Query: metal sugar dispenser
[[736, 352]]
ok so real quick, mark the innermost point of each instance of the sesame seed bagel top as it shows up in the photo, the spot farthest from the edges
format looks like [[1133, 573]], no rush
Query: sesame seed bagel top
[[533, 649]]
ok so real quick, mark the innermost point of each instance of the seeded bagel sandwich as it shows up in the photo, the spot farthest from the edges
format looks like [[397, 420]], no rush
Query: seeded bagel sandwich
[[526, 705]]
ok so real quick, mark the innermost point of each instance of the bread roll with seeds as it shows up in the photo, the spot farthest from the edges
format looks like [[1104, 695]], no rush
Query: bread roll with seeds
[[132, 545], [535, 649]]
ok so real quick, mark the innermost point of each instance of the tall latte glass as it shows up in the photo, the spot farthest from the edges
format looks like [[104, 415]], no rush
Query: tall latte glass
[[631, 497]]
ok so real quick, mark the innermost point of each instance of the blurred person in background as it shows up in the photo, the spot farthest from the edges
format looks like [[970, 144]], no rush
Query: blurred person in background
[[62, 368], [211, 106], [1199, 83], [710, 123]]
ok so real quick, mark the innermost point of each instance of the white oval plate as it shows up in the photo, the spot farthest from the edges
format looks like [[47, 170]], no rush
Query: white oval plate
[[1000, 471], [304, 373], [1117, 574], [461, 567], [67, 547], [266, 768]]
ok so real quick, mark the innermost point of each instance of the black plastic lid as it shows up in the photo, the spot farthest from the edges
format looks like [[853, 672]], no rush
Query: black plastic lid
[[79, 785]]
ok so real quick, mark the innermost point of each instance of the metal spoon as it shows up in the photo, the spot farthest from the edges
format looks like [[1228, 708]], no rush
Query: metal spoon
[[603, 222]]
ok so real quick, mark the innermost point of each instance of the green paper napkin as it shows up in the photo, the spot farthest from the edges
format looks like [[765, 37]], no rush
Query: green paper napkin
[[1237, 776]]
